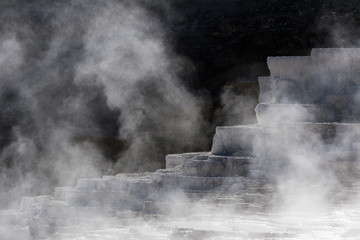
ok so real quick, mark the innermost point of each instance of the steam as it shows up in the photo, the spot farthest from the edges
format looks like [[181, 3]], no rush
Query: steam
[[103, 71], [237, 105], [126, 55], [11, 55], [304, 148]]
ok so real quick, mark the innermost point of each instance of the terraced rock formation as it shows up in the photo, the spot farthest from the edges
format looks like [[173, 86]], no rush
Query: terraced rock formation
[[307, 138]]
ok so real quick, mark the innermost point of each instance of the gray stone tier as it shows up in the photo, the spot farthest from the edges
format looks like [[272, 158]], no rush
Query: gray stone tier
[[234, 140], [171, 181], [328, 62], [335, 139], [178, 160], [112, 199], [265, 89], [217, 166], [239, 140], [294, 67], [141, 187], [311, 79], [207, 165]]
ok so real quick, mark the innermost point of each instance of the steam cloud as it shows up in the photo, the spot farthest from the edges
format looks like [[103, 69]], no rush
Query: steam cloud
[[305, 157], [97, 69], [238, 108]]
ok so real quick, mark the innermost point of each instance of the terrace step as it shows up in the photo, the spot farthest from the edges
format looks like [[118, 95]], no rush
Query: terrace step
[[234, 140]]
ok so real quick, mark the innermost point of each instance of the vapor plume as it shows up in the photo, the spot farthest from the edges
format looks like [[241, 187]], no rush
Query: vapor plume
[[96, 91], [126, 55]]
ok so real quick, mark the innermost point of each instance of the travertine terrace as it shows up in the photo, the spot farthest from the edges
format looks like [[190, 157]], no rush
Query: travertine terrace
[[307, 110]]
